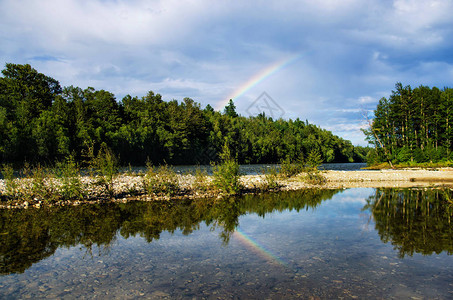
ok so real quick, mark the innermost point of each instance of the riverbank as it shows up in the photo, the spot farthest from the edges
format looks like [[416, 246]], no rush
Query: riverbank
[[387, 178], [129, 187]]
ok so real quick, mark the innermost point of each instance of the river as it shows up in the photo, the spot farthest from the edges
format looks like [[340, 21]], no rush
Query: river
[[360, 243]]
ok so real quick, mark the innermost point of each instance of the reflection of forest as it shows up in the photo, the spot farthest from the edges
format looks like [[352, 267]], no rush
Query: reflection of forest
[[27, 236], [414, 220]]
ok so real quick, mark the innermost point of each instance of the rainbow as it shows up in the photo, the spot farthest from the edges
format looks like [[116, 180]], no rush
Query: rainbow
[[257, 78], [257, 248]]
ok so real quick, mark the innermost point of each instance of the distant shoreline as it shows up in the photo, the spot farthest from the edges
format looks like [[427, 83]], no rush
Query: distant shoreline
[[124, 184]]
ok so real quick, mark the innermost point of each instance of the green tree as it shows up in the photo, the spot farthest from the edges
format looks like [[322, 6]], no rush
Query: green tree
[[413, 125], [24, 95], [41, 122], [230, 109]]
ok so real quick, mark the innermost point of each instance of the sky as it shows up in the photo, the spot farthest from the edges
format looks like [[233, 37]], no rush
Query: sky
[[325, 61]]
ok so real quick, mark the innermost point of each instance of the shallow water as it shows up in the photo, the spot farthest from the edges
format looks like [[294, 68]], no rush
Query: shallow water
[[356, 243]]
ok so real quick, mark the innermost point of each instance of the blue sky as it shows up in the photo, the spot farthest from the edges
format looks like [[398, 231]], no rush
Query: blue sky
[[346, 54]]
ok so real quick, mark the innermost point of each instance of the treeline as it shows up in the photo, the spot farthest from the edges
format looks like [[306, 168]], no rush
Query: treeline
[[413, 125], [42, 122]]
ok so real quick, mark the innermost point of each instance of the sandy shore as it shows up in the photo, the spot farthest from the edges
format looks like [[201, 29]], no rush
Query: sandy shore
[[389, 178], [375, 178]]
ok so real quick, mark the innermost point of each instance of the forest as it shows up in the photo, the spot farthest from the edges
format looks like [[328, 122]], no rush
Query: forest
[[412, 125], [42, 122]]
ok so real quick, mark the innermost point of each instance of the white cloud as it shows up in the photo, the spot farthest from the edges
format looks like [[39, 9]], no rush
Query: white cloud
[[420, 14], [367, 99], [116, 22], [347, 126]]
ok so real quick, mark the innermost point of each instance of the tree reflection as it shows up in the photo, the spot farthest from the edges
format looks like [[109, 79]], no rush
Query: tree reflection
[[28, 236], [414, 220]]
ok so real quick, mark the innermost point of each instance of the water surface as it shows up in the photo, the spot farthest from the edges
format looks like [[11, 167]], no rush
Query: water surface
[[255, 169], [356, 243]]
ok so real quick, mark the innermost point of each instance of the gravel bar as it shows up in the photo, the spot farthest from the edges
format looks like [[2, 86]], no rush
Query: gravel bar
[[123, 184]]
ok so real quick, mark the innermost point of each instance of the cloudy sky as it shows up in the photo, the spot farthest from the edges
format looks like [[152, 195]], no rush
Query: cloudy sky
[[325, 61]]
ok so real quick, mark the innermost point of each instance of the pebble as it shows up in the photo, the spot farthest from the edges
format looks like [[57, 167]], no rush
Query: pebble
[[124, 184]]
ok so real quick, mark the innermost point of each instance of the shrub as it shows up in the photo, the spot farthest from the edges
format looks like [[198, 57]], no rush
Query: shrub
[[11, 185], [163, 182], [270, 179], [314, 160], [308, 165], [201, 182], [39, 188], [372, 157], [69, 176], [226, 173], [314, 177], [289, 168], [404, 155], [37, 184], [105, 166]]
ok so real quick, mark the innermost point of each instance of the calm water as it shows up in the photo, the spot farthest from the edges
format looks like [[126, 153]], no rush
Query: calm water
[[257, 168], [356, 243]]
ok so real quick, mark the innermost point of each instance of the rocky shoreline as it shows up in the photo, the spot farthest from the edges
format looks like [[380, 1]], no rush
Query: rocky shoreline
[[129, 187]]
